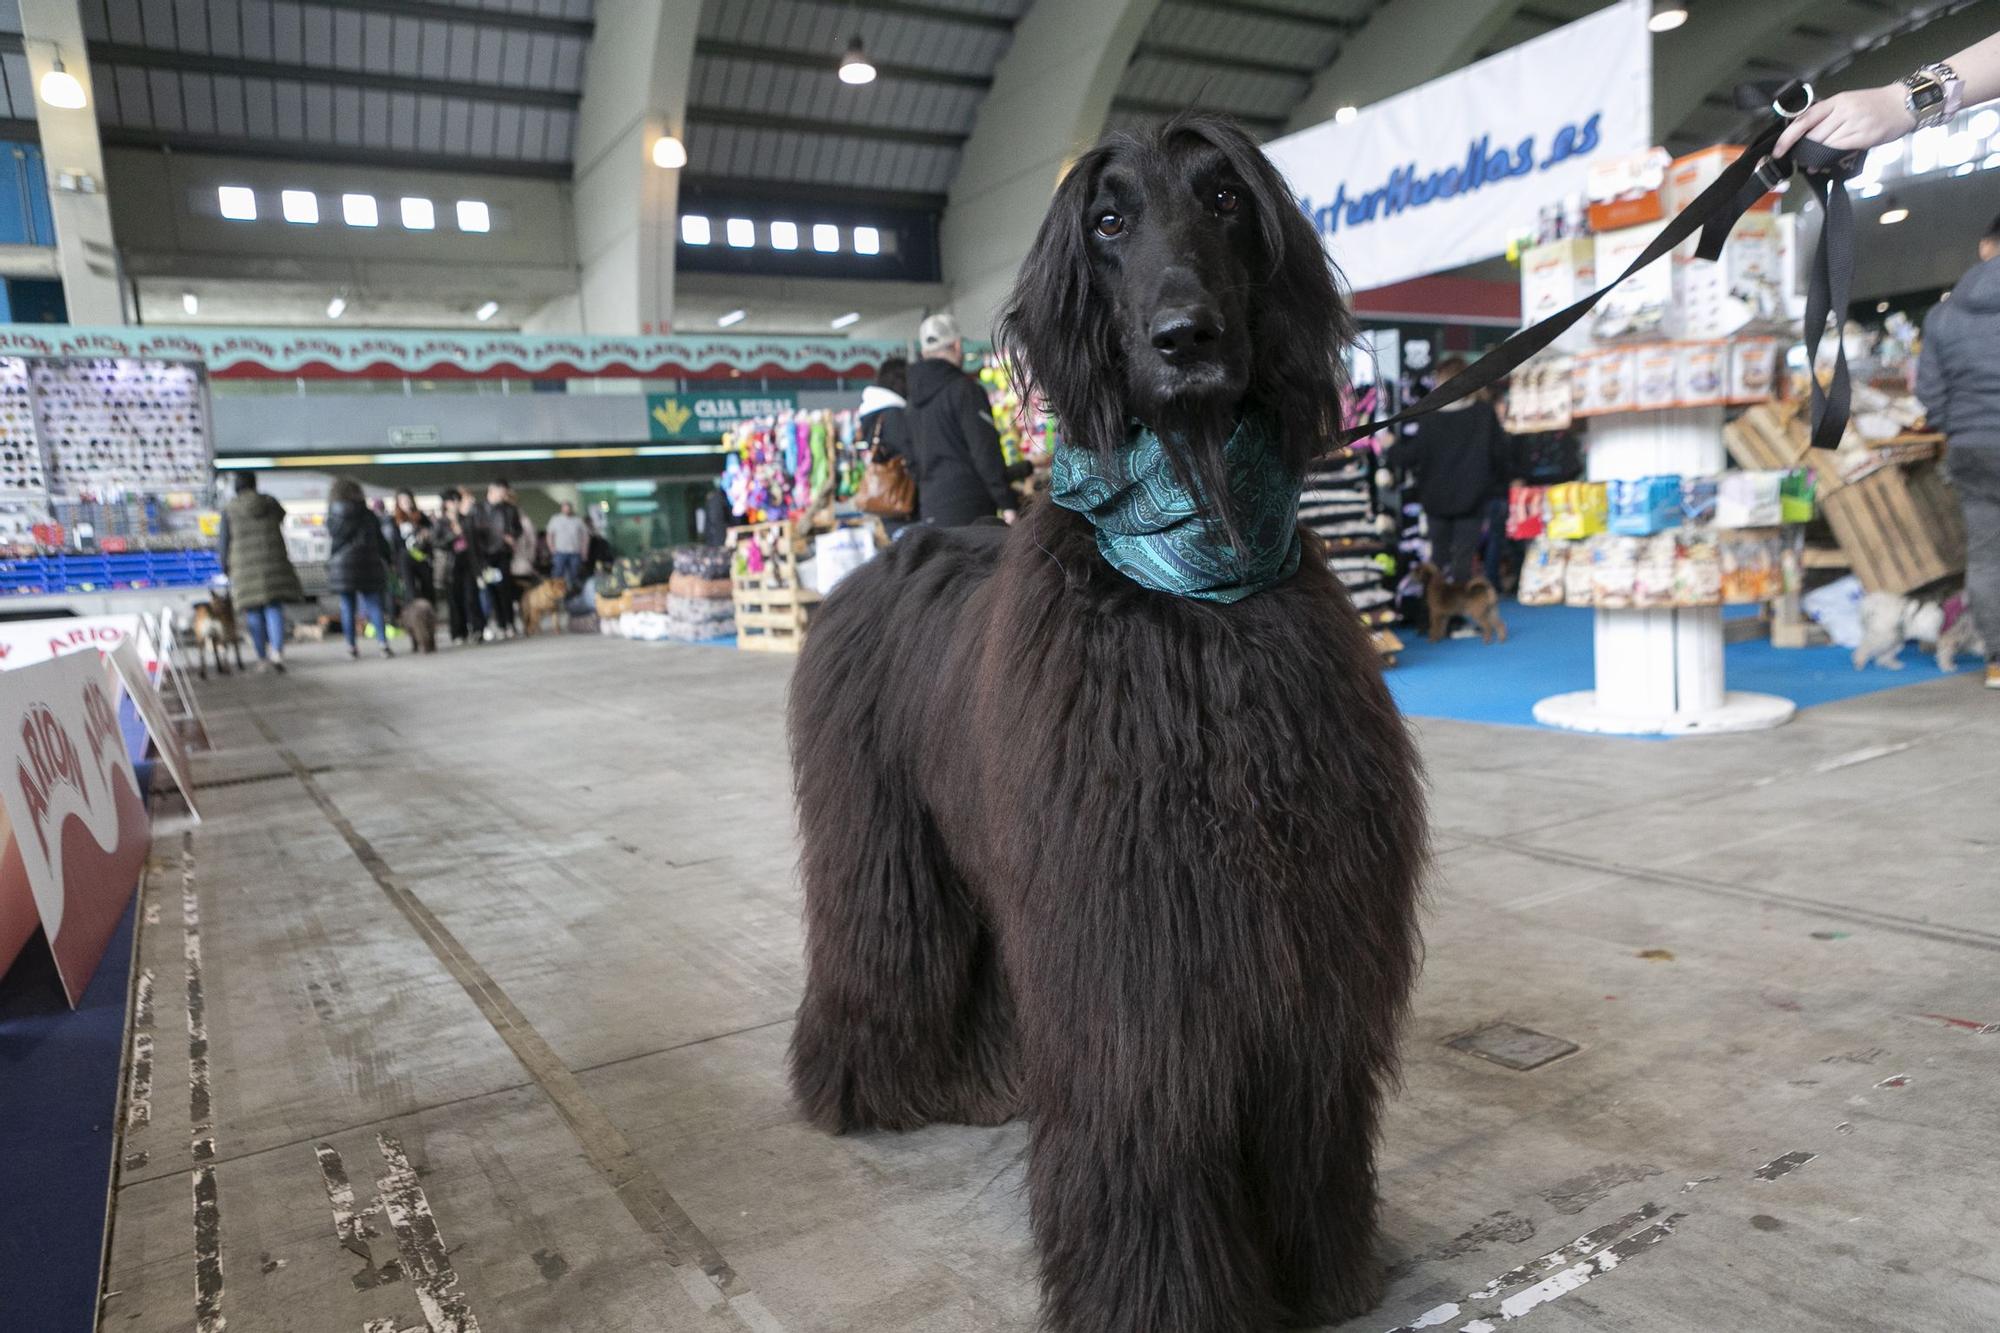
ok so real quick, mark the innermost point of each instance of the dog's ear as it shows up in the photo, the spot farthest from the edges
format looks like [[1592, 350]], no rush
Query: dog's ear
[[1301, 323], [1058, 339]]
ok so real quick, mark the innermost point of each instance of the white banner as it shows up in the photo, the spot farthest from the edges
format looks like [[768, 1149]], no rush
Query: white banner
[[1436, 177], [25, 642]]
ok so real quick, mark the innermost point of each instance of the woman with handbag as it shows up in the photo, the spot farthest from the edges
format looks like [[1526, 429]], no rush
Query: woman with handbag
[[889, 487]]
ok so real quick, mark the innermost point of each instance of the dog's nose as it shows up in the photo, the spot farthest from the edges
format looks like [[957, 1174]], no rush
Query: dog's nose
[[1186, 331]]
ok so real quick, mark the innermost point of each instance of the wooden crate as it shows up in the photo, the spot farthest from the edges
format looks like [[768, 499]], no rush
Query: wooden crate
[[771, 620], [1770, 436], [1900, 528]]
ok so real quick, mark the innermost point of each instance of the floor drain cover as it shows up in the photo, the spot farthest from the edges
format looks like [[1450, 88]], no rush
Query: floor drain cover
[[1512, 1046]]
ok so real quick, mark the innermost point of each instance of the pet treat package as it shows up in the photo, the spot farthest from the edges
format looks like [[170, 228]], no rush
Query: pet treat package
[[1542, 573], [1748, 500], [1639, 307], [1797, 496], [1698, 571], [1527, 511], [1644, 506], [1577, 510], [1657, 373], [1605, 382], [1653, 579], [1753, 369], [1704, 374], [1614, 569], [1750, 567], [1580, 575], [1697, 501]]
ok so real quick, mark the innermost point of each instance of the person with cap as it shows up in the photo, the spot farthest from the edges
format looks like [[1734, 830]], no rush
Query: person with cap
[[954, 445]]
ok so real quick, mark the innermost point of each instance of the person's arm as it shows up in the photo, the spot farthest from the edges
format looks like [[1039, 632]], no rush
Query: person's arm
[[1871, 117], [982, 442], [1933, 387], [222, 541]]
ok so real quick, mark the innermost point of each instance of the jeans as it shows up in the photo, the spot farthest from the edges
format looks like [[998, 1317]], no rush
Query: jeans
[[1975, 475], [569, 568], [371, 605], [1454, 541], [1493, 546], [266, 624]]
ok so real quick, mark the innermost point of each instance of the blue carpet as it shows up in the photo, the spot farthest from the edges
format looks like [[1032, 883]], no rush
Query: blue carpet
[[58, 1098], [1548, 651]]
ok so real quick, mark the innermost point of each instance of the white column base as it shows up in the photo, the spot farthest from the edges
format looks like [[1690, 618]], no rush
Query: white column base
[[1583, 711]]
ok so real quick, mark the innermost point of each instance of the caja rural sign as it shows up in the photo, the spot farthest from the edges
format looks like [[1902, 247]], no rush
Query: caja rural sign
[[1437, 177], [692, 416]]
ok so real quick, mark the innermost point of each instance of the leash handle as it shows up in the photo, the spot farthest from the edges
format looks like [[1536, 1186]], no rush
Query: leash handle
[[1713, 213]]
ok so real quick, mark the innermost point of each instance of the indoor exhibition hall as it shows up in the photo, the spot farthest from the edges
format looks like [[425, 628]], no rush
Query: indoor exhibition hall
[[999, 666]]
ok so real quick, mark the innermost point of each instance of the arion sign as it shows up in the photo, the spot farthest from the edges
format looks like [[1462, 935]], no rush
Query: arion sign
[[1437, 177]]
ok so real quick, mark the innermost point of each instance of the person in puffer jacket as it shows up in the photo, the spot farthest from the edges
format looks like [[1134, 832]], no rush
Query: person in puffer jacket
[[1958, 379]]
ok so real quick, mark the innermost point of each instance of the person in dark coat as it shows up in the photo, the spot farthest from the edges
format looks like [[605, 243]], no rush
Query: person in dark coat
[[261, 577], [1461, 459], [415, 549], [716, 515], [461, 555], [498, 522], [961, 476], [357, 563]]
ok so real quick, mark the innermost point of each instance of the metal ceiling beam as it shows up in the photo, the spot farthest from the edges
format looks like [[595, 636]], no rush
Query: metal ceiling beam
[[1253, 9], [284, 150], [965, 18], [760, 120], [1707, 56], [1151, 108], [1221, 60], [485, 18], [704, 189], [145, 57], [1404, 44], [828, 63]]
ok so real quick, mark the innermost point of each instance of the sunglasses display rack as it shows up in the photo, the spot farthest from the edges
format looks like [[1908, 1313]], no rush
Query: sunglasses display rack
[[103, 463]]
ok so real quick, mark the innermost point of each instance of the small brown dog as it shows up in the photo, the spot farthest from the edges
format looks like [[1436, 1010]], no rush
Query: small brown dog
[[1476, 601], [214, 626], [420, 619], [544, 599]]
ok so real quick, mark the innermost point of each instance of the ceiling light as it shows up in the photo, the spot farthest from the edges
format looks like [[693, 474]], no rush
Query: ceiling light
[[867, 241], [826, 237], [358, 210], [336, 307], [190, 303], [669, 153], [1893, 211], [742, 233], [487, 311], [854, 66], [237, 202], [784, 235], [1881, 307], [848, 320], [301, 206], [733, 317], [1667, 15], [1345, 115], [418, 214], [695, 229], [61, 89], [474, 215]]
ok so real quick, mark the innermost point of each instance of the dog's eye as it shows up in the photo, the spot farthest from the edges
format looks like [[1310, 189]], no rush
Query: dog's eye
[[1225, 201], [1109, 225]]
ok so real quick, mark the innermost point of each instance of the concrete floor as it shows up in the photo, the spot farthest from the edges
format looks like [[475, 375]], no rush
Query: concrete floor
[[496, 984]]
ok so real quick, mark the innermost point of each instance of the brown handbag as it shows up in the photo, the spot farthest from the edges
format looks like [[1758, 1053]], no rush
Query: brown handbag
[[887, 488]]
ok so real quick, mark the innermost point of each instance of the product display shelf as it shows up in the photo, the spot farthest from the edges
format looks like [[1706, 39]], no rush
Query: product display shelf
[[1660, 672], [1339, 506], [96, 572], [773, 607]]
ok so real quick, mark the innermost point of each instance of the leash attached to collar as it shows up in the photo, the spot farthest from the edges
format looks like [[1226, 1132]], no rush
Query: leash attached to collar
[[1713, 213]]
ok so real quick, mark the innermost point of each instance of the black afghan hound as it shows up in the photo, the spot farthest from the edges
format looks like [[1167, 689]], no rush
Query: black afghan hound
[[1141, 868]]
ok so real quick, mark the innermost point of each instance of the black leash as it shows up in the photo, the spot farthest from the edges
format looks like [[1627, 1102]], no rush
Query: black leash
[[1714, 211]]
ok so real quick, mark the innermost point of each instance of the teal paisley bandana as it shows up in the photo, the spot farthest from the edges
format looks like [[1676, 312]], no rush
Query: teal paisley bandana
[[1151, 527]]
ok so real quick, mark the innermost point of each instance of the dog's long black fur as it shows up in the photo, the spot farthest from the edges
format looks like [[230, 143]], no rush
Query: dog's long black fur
[[1143, 869]]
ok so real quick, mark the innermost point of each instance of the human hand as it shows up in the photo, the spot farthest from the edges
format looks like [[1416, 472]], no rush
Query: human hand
[[1866, 119], [1008, 516]]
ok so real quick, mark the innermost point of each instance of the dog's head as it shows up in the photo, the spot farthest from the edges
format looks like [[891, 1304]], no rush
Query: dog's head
[[1176, 280]]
